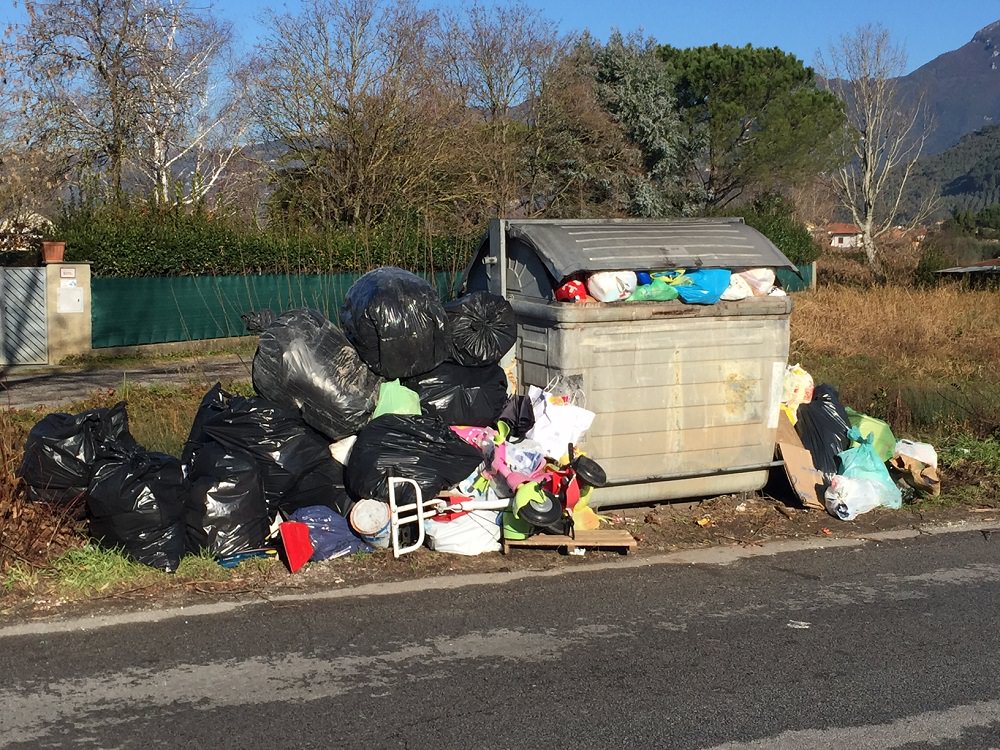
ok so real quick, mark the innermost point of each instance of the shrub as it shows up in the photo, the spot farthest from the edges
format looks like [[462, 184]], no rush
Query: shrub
[[133, 242], [772, 216]]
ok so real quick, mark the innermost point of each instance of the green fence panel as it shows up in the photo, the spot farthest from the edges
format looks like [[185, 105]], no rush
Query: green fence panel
[[157, 310], [796, 282]]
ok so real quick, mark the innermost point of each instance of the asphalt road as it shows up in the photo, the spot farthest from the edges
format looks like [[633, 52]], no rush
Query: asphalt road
[[887, 645]]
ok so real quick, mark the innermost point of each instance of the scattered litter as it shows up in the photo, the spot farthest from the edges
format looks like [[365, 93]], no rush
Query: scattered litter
[[397, 428]]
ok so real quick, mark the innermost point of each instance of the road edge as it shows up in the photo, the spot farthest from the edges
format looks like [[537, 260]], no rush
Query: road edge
[[719, 555]]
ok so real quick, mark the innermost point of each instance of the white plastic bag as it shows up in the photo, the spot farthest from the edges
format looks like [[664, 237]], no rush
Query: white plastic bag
[[611, 286], [761, 280], [922, 452], [468, 533], [847, 497], [797, 388], [739, 288], [557, 424], [341, 450]]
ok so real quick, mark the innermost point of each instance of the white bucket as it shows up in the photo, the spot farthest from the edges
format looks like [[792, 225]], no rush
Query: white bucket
[[370, 519]]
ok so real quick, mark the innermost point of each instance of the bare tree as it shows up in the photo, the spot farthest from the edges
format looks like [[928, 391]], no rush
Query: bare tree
[[582, 162], [30, 173], [347, 92], [188, 120], [888, 135], [80, 58], [129, 85], [496, 59]]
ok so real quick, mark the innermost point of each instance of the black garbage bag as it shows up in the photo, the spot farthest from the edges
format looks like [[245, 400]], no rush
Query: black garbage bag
[[212, 403], [519, 415], [396, 321], [324, 485], [305, 361], [136, 503], [62, 450], [420, 448], [256, 321], [226, 510], [285, 448], [481, 328], [462, 395], [823, 424]]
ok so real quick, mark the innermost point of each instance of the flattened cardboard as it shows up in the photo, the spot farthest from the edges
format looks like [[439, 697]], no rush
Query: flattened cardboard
[[786, 431], [806, 480]]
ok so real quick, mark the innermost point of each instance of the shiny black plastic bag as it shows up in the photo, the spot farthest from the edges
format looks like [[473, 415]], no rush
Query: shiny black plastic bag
[[324, 485], [226, 510], [519, 415], [256, 321], [304, 361], [823, 424], [137, 504], [396, 321], [420, 448], [62, 449], [481, 328], [212, 403], [285, 448], [462, 395]]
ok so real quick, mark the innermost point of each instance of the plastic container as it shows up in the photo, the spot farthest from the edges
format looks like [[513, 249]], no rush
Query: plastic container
[[370, 519]]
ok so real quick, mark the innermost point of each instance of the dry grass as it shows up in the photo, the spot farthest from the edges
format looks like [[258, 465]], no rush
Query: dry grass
[[924, 360], [943, 332], [30, 533]]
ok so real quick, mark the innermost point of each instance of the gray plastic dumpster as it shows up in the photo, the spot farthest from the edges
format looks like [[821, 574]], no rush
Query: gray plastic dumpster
[[686, 396]]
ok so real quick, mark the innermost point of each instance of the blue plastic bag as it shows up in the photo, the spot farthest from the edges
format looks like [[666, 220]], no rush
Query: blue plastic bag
[[329, 532], [703, 286], [863, 462]]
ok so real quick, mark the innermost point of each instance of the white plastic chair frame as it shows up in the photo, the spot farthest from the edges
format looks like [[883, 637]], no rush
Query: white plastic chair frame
[[411, 512], [421, 510]]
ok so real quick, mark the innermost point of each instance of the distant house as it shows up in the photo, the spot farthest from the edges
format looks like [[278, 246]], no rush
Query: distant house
[[844, 235], [913, 235]]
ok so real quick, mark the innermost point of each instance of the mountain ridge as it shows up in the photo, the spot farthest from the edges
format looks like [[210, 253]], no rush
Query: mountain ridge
[[961, 89]]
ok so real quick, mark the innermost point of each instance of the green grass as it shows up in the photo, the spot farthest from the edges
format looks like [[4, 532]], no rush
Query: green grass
[[91, 571], [82, 572]]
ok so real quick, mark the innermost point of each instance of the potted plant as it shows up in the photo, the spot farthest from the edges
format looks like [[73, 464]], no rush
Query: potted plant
[[53, 252]]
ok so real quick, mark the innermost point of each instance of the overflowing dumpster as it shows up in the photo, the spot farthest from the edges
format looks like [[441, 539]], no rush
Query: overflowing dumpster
[[686, 396]]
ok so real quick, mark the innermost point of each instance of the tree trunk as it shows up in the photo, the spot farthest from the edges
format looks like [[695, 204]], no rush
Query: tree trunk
[[873, 255]]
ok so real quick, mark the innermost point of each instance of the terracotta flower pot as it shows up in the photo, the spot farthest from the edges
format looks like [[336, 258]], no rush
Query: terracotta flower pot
[[53, 252]]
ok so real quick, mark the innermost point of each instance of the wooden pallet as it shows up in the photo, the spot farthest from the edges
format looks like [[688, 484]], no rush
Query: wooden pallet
[[598, 539]]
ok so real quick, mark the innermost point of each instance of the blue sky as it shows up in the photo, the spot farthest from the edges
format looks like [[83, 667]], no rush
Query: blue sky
[[802, 27]]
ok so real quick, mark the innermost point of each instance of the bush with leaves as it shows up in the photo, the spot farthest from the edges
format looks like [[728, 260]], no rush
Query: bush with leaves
[[135, 242], [772, 216]]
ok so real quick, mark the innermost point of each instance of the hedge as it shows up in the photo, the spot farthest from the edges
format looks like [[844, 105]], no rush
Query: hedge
[[137, 243]]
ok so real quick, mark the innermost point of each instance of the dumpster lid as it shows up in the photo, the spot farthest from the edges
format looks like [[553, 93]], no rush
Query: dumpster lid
[[569, 246]]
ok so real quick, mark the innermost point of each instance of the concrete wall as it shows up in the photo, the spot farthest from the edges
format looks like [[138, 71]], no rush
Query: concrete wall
[[68, 302]]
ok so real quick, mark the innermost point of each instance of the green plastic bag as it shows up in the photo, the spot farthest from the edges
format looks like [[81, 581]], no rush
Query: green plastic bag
[[658, 291], [864, 463], [882, 437], [395, 398]]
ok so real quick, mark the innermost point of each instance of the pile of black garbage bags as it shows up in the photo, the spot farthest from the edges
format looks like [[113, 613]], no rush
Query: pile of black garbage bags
[[247, 459]]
